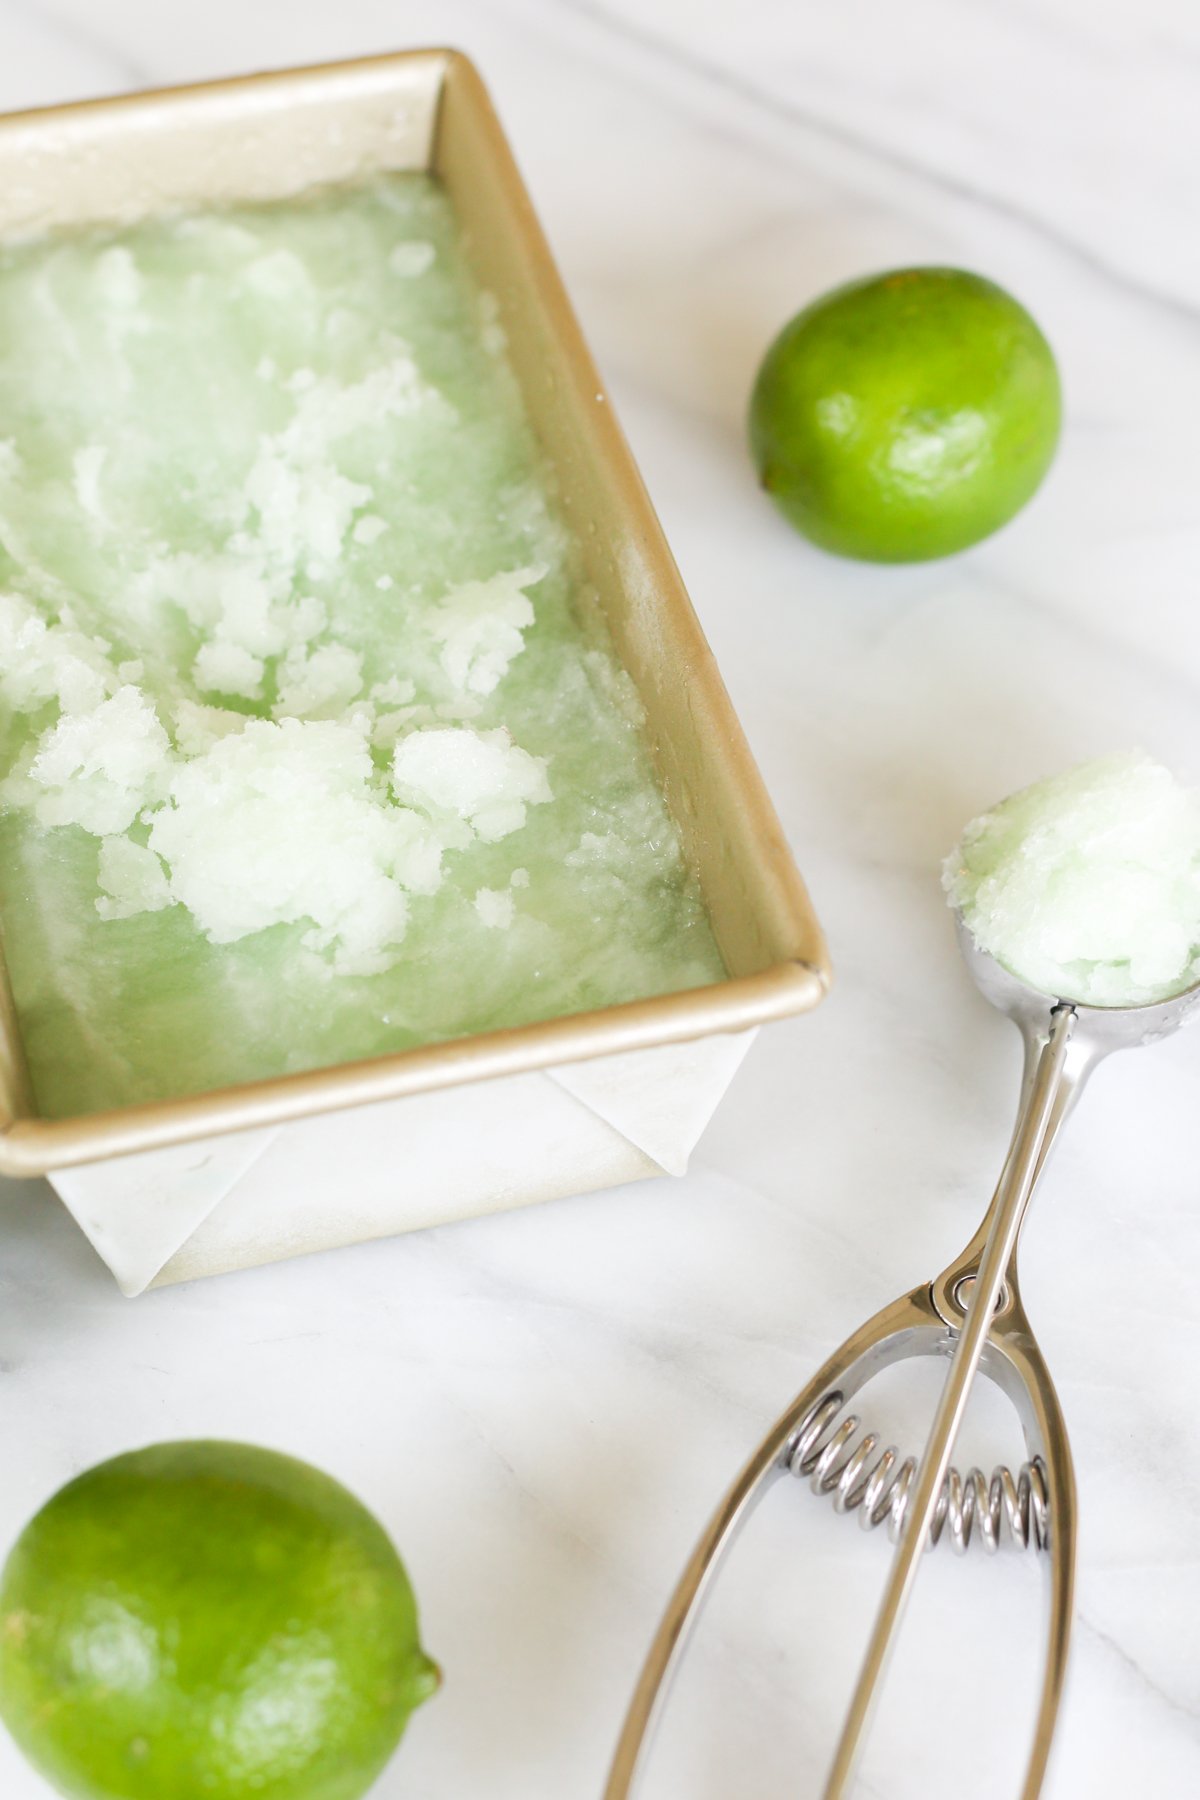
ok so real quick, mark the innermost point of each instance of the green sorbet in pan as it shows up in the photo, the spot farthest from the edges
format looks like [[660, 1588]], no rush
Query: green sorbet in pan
[[313, 744]]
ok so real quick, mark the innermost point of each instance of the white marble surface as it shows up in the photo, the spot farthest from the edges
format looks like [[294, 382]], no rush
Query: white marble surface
[[543, 1407]]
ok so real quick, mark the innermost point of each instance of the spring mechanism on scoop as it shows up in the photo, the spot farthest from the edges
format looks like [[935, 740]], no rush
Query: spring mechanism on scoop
[[835, 1459]]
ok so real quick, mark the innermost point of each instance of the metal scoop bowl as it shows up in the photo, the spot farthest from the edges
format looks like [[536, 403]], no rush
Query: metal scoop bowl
[[971, 1314]]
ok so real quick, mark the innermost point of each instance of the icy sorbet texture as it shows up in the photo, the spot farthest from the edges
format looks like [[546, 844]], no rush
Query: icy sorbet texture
[[1088, 885], [313, 744]]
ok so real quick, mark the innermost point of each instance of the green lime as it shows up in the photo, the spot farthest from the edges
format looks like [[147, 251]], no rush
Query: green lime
[[208, 1621], [906, 416]]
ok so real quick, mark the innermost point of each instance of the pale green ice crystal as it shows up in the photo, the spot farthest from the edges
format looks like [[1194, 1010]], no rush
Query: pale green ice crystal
[[1087, 885], [312, 746]]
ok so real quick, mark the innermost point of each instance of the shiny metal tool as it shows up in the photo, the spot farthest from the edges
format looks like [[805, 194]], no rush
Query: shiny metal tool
[[972, 1314]]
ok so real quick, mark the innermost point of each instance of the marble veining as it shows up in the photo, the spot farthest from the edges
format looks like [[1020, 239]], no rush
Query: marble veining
[[544, 1406]]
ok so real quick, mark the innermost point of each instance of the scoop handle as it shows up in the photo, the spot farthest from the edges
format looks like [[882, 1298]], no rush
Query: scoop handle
[[909, 1325], [1040, 1105]]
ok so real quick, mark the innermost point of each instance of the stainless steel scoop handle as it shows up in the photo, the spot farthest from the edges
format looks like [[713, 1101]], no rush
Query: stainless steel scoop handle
[[982, 1295], [972, 1313]]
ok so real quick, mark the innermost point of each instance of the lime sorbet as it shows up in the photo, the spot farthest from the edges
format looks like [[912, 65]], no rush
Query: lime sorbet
[[1087, 885], [313, 744]]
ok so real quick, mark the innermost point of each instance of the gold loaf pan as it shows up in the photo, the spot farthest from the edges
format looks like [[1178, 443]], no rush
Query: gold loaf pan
[[264, 137]]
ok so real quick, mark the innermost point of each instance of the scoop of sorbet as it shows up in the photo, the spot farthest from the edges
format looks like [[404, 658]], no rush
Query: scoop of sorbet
[[1087, 885]]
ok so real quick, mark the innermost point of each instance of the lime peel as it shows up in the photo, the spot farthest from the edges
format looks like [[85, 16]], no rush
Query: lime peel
[[906, 416], [208, 1621]]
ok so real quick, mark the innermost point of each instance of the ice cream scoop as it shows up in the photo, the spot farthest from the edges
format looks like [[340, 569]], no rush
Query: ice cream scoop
[[973, 1315]]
